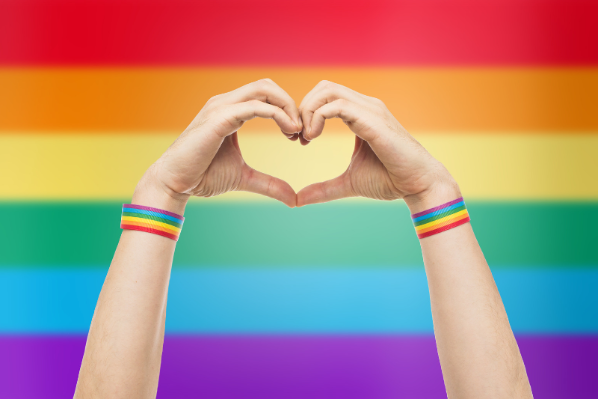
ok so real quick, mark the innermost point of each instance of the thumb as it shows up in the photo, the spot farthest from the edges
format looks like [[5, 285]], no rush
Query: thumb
[[257, 182], [330, 190]]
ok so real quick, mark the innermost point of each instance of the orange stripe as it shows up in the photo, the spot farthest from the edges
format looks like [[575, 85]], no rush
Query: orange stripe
[[444, 228], [445, 223], [432, 99]]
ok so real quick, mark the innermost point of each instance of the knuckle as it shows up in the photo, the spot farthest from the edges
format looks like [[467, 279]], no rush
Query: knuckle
[[222, 114], [213, 99], [377, 102], [281, 115], [326, 92], [329, 85], [214, 113], [341, 102], [263, 84], [318, 113], [269, 188]]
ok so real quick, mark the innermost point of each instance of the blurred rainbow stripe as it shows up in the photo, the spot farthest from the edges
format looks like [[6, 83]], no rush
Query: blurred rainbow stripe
[[425, 98], [271, 302], [231, 32], [514, 166]]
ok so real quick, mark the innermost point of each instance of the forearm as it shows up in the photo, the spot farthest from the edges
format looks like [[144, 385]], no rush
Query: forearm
[[124, 345], [477, 349]]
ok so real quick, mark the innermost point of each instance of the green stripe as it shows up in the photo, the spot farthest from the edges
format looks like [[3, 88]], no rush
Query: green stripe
[[340, 233], [440, 216], [156, 218]]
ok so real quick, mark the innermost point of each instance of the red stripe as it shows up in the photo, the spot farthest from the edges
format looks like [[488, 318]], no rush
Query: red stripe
[[299, 32], [444, 228], [149, 230]]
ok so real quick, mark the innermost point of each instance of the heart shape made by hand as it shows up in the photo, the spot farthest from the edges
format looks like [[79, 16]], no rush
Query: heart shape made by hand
[[387, 162]]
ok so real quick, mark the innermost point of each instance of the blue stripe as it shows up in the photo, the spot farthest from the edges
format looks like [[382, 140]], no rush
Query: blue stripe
[[438, 212], [266, 300], [162, 215]]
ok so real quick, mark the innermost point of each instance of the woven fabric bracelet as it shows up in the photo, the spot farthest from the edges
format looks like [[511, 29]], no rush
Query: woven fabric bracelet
[[151, 220], [441, 218]]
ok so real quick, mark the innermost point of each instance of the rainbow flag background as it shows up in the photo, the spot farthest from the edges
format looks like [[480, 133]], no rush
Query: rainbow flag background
[[326, 301]]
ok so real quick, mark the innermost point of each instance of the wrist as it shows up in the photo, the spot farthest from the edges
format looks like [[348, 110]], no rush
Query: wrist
[[439, 193], [151, 193]]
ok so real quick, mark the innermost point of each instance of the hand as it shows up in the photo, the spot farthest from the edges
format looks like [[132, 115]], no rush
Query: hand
[[206, 160], [387, 162]]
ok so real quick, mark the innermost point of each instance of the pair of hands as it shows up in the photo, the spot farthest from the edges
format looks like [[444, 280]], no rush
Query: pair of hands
[[206, 160]]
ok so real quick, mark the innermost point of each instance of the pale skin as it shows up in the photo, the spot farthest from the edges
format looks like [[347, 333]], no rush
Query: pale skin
[[477, 349]]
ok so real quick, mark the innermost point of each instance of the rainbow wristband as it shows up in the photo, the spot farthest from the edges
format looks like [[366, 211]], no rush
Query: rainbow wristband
[[441, 218], [151, 220]]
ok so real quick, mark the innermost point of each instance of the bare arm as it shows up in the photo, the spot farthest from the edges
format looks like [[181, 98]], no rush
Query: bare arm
[[124, 345], [478, 352]]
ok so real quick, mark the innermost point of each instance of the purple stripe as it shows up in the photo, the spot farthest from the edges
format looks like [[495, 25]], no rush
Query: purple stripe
[[295, 367], [427, 211], [149, 208]]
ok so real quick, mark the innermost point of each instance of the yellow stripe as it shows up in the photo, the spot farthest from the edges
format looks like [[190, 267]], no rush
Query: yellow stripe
[[441, 220], [150, 222], [446, 221], [486, 166]]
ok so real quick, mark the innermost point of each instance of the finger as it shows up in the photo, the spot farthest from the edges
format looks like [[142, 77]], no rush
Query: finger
[[302, 140], [348, 111], [237, 114], [337, 188], [261, 183], [295, 137], [324, 93], [267, 91]]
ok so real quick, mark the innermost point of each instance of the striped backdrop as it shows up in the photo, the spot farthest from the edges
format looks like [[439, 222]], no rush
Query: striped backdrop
[[326, 301]]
